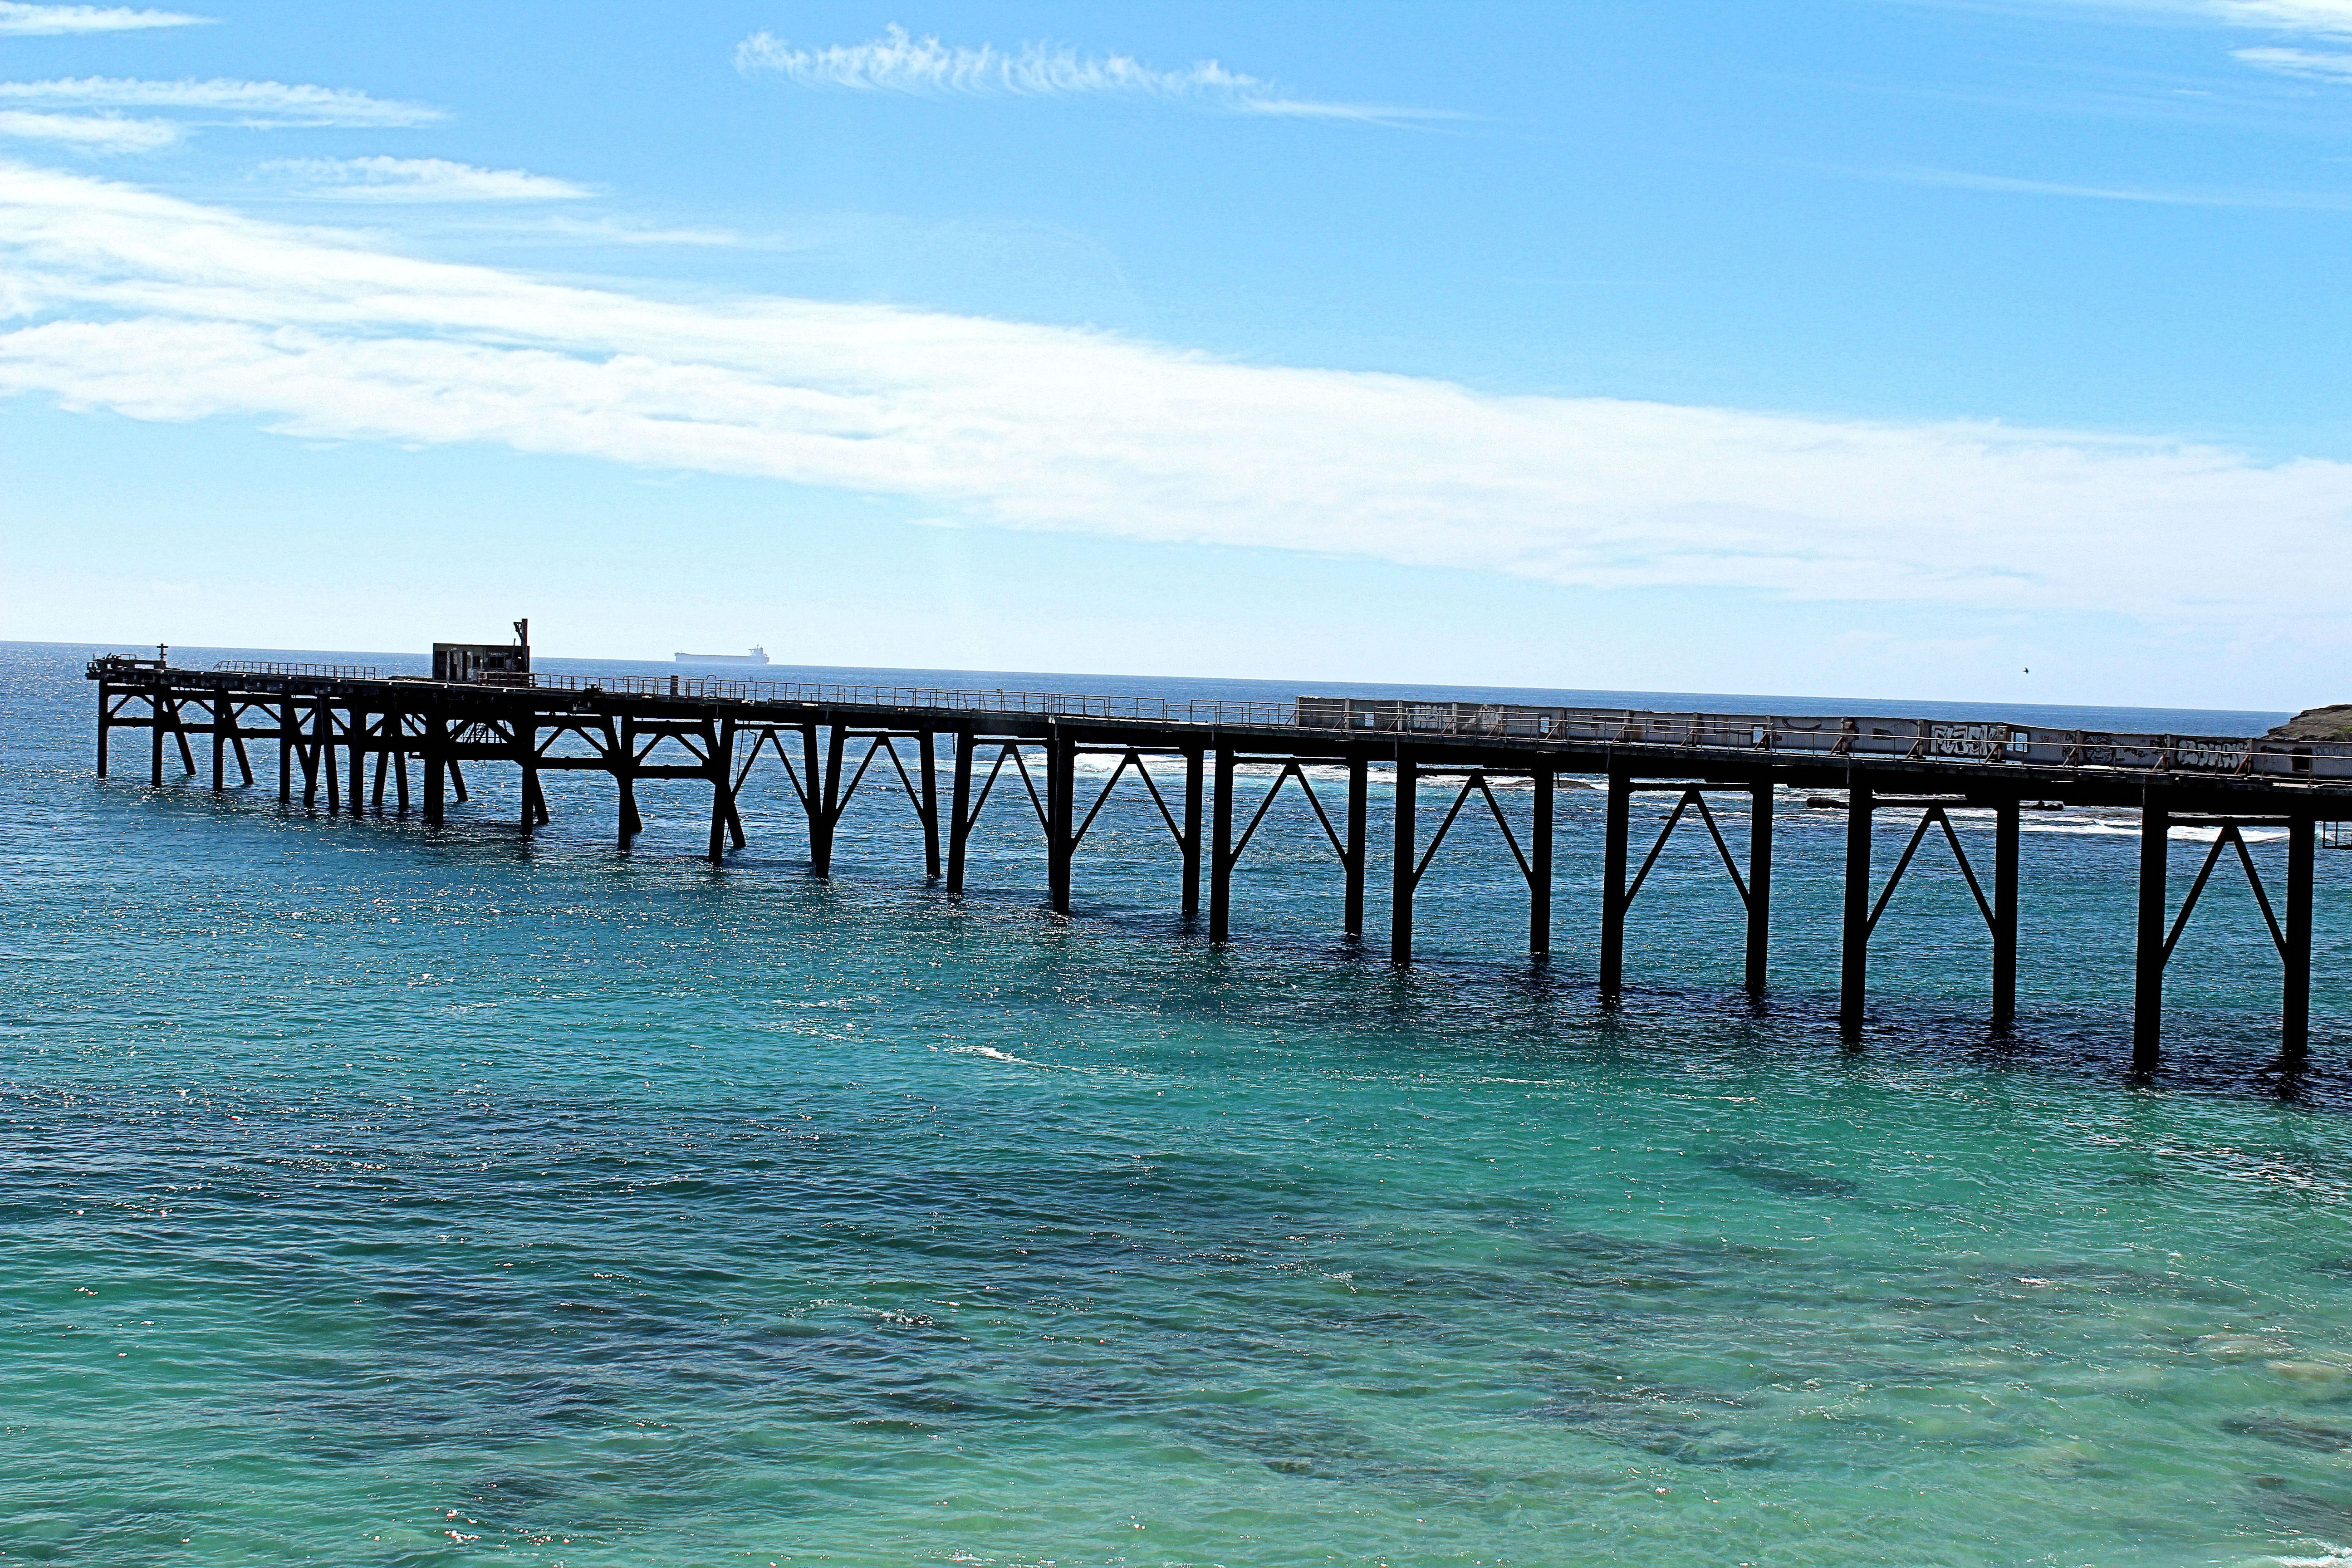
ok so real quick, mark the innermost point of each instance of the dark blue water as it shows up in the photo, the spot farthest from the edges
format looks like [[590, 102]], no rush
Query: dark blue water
[[387, 1195]]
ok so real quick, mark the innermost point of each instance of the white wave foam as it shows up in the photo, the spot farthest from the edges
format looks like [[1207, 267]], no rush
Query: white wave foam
[[992, 1054]]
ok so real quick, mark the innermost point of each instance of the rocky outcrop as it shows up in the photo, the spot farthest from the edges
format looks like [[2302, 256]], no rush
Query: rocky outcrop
[[2333, 722]]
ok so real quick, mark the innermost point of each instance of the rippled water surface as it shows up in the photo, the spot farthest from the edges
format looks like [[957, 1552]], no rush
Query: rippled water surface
[[381, 1194]]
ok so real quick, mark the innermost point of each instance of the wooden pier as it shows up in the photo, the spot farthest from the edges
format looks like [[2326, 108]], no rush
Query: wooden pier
[[349, 733]]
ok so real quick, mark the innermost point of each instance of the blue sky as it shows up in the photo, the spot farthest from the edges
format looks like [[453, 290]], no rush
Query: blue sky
[[1849, 347]]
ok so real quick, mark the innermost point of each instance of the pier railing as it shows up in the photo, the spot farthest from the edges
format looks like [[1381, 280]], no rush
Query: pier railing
[[1899, 739], [1043, 704], [324, 671], [1888, 739]]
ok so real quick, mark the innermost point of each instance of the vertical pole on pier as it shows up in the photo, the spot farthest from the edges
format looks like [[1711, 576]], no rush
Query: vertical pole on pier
[[928, 758], [2147, 968], [1853, 955], [1617, 826], [1539, 868], [1407, 851], [1221, 851], [2004, 914], [1193, 768], [436, 747], [288, 739], [1360, 793], [1060, 789], [960, 809], [220, 740], [826, 809], [1759, 883], [2294, 1022]]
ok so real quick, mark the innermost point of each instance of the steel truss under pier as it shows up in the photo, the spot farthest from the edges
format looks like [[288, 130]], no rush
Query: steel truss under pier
[[349, 732]]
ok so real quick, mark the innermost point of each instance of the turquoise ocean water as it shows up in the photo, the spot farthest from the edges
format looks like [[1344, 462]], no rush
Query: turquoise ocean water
[[377, 1195]]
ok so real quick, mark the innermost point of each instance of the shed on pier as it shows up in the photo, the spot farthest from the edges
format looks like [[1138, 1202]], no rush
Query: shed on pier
[[488, 663]]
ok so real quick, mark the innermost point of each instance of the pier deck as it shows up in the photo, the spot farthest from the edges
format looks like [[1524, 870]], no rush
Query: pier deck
[[348, 732]]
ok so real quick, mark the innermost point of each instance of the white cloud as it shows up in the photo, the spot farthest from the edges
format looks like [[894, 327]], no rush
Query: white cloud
[[898, 62], [164, 309], [2307, 63], [251, 102], [418, 180], [2292, 16], [22, 19], [98, 132]]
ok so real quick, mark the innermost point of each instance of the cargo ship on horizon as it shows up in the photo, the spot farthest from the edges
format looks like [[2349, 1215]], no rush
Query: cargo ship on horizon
[[757, 655]]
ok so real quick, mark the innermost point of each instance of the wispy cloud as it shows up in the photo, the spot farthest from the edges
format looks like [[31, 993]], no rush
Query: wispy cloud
[[161, 309], [1954, 179], [2309, 63], [417, 180], [899, 62], [23, 19], [250, 102], [97, 132], [611, 232], [2333, 16]]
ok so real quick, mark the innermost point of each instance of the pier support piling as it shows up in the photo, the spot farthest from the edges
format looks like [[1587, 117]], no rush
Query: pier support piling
[[1853, 960], [2147, 966], [960, 809], [1759, 884], [327, 765], [288, 741], [2004, 914], [824, 804], [357, 735], [180, 733], [526, 753], [1221, 851], [2295, 1019], [1360, 793], [926, 758], [1193, 766], [1061, 793], [621, 749], [1539, 868], [436, 756], [718, 737], [1617, 823], [1406, 850]]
